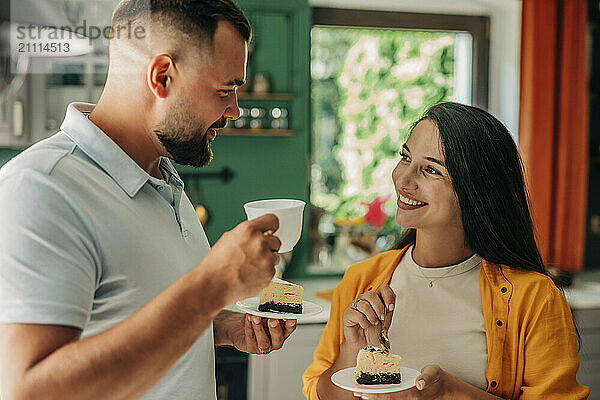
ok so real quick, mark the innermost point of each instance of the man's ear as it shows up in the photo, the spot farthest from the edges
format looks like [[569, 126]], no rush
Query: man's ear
[[161, 71]]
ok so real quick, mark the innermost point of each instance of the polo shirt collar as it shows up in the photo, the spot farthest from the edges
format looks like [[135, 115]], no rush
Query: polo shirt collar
[[170, 173], [103, 150]]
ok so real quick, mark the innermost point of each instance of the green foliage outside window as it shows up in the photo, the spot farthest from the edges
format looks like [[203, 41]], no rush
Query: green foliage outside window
[[368, 86]]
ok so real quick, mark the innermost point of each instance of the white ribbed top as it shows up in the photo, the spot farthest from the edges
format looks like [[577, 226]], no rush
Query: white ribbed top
[[442, 324]]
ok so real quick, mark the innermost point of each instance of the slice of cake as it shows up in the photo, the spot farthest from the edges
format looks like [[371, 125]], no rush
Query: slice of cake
[[375, 367], [281, 296]]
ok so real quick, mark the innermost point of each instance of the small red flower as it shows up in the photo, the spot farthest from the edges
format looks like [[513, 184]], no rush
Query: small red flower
[[375, 216]]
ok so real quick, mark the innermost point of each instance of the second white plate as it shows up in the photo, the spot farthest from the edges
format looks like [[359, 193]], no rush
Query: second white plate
[[344, 378], [250, 306]]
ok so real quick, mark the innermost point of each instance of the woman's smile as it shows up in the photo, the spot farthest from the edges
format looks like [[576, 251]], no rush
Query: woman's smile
[[409, 204]]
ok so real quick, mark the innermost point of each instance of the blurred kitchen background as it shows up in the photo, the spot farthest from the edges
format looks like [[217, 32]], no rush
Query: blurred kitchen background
[[333, 86]]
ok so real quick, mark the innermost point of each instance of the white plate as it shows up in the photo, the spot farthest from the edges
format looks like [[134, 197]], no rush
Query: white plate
[[345, 379], [250, 306]]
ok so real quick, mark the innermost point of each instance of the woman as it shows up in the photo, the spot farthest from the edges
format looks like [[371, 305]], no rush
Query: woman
[[469, 303]]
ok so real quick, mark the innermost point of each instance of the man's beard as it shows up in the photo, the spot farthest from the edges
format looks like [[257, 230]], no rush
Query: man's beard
[[186, 144]]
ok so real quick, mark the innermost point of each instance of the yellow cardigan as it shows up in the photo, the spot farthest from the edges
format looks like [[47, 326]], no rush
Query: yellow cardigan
[[531, 341]]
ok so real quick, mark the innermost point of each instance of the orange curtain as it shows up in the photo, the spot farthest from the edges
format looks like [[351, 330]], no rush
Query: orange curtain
[[553, 125]]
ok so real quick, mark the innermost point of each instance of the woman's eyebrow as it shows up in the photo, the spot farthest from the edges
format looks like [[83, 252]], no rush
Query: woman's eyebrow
[[435, 160]]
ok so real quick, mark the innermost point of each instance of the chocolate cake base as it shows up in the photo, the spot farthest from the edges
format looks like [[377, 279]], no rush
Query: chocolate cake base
[[378, 379], [281, 307]]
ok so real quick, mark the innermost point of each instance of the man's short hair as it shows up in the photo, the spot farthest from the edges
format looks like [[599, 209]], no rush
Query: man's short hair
[[197, 19]]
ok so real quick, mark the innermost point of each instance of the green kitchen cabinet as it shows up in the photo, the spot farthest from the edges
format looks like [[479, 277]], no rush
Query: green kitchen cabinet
[[265, 166], [7, 154]]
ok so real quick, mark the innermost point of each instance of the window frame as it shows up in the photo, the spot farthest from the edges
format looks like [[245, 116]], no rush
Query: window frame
[[477, 26]]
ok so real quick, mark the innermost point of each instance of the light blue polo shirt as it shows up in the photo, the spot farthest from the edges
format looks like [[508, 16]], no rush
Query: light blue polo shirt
[[87, 238]]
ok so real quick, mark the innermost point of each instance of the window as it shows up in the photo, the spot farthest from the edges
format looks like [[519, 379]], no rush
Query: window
[[373, 74]]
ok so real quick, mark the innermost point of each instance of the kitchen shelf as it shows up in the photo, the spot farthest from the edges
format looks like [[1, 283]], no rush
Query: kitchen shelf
[[264, 96], [256, 132]]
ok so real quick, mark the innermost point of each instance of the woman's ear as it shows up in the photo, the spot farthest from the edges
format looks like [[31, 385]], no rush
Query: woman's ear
[[161, 71]]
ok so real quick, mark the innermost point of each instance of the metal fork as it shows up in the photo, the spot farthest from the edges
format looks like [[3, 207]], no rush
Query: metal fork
[[383, 335]]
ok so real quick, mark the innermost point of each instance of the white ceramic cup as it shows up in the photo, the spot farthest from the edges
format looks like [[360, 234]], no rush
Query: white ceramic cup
[[288, 211]]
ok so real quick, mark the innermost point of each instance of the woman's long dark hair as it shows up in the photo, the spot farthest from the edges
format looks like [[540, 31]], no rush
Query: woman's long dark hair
[[487, 175]]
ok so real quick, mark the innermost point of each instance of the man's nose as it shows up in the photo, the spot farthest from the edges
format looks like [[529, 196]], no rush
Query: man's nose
[[233, 109]]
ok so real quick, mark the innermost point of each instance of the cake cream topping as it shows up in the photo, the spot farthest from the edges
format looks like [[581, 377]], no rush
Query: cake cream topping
[[277, 280], [280, 291], [374, 360]]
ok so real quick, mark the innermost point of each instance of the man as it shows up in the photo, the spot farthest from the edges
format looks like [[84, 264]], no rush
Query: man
[[108, 288]]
